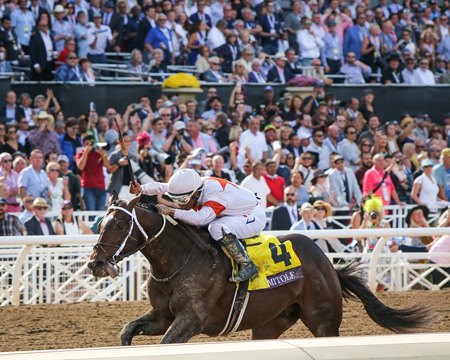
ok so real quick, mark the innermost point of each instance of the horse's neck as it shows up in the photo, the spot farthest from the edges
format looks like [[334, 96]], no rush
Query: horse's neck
[[168, 251]]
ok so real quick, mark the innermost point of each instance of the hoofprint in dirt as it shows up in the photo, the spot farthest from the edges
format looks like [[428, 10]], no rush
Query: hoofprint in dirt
[[81, 325]]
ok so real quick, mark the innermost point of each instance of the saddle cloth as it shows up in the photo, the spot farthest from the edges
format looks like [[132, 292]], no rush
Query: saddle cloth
[[277, 262]]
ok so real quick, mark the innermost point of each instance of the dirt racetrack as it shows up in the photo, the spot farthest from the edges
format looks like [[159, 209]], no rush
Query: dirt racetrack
[[81, 325]]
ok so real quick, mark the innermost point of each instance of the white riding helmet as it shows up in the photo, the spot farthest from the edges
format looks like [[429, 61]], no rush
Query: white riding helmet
[[183, 184]]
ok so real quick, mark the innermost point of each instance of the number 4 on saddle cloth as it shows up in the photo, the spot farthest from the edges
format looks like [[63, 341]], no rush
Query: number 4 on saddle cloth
[[277, 262], [277, 265]]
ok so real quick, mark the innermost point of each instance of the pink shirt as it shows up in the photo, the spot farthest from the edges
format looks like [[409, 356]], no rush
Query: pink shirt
[[372, 178]]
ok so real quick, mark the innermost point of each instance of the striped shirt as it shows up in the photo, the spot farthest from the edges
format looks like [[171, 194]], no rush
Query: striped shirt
[[9, 225]]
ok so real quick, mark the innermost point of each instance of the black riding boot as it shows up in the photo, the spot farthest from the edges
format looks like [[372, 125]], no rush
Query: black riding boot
[[247, 268]]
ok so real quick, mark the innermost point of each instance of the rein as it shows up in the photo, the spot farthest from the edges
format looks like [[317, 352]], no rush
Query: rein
[[134, 220]]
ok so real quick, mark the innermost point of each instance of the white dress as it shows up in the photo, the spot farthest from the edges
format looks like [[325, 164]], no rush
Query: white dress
[[56, 194], [429, 190]]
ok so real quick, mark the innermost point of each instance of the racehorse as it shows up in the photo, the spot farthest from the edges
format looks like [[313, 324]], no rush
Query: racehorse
[[190, 293]]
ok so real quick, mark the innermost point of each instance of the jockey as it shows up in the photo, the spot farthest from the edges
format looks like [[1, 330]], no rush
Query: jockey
[[231, 211]]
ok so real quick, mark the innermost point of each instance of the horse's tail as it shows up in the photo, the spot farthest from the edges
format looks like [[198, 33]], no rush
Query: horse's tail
[[397, 320]]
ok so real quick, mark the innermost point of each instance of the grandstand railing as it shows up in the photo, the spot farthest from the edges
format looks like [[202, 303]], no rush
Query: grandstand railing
[[42, 269]]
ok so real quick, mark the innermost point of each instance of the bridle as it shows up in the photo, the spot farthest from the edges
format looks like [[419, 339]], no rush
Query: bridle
[[114, 259], [117, 256]]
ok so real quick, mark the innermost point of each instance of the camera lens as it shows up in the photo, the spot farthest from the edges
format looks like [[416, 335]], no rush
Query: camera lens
[[373, 215]]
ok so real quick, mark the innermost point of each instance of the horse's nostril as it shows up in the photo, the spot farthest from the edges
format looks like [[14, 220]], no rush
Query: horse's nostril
[[95, 264]]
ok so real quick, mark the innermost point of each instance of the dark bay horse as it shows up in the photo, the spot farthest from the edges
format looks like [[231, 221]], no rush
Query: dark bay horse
[[190, 293]]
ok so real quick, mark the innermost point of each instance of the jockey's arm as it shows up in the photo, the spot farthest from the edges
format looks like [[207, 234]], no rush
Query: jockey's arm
[[154, 188], [198, 218]]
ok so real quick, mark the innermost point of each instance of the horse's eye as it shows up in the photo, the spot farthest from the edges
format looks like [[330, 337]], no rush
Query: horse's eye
[[120, 226]]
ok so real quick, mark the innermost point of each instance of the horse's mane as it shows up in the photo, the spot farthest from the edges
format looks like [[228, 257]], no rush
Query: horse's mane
[[145, 202]]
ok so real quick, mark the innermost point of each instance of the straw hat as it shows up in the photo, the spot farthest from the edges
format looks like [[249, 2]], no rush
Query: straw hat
[[306, 207], [40, 202], [44, 115], [320, 203]]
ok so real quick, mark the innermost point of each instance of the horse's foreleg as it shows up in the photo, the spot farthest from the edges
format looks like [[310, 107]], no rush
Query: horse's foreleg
[[151, 323], [183, 328]]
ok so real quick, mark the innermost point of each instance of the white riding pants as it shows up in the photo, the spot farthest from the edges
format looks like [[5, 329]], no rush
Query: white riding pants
[[241, 226]]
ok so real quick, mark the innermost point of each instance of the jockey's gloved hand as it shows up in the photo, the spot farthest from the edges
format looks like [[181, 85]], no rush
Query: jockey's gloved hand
[[165, 210], [135, 187]]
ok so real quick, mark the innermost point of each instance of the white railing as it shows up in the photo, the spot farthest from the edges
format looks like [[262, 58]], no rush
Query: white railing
[[31, 274], [396, 215]]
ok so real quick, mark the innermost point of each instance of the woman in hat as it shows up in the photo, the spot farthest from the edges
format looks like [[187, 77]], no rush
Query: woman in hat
[[417, 218], [425, 189], [320, 187], [322, 214], [67, 224]]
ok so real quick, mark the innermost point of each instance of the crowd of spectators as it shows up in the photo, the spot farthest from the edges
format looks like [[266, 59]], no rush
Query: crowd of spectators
[[243, 41]]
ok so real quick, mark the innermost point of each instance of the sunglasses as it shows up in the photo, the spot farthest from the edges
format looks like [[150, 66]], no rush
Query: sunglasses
[[67, 208], [6, 161], [351, 133], [39, 208], [54, 170], [320, 208], [290, 194], [307, 158]]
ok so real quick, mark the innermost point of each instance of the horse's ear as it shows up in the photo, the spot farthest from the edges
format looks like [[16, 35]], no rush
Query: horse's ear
[[113, 198], [134, 201]]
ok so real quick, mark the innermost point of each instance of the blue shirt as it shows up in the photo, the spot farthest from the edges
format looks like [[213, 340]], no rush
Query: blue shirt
[[23, 23], [444, 48], [36, 184], [332, 49], [442, 177]]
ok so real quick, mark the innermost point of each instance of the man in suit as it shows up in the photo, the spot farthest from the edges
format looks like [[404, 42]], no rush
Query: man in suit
[[392, 74], [8, 39], [280, 73], [343, 184], [272, 29], [145, 25], [353, 36], [200, 15], [38, 224], [160, 37], [114, 21], [286, 214], [36, 9], [9, 110], [256, 76], [307, 212], [213, 74], [41, 53]]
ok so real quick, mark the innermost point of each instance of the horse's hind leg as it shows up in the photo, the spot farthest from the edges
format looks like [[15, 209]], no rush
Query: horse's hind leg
[[321, 309], [275, 327], [151, 323]]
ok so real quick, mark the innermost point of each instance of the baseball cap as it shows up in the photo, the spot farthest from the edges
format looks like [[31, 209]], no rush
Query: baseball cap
[[179, 125], [337, 157], [268, 88], [62, 158], [3, 201], [304, 134], [306, 207], [109, 4]]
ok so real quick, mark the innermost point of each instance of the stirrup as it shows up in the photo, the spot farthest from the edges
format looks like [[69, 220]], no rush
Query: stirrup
[[247, 273]]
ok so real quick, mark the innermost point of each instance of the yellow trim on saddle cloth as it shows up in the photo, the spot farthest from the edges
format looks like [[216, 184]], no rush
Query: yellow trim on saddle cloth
[[272, 257]]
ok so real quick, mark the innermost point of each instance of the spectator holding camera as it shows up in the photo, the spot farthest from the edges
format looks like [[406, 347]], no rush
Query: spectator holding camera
[[91, 160]]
